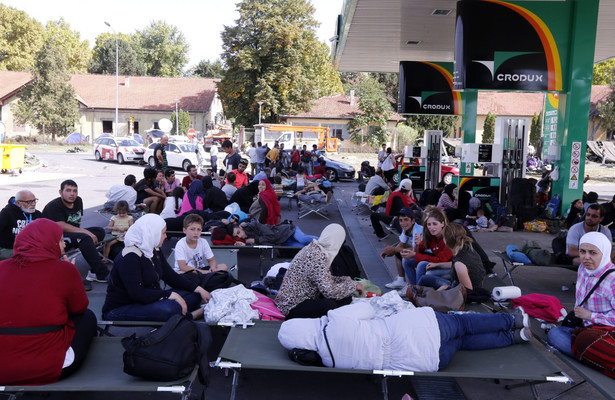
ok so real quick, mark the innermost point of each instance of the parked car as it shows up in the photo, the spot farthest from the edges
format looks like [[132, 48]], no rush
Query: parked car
[[179, 155], [121, 149], [338, 170], [448, 171]]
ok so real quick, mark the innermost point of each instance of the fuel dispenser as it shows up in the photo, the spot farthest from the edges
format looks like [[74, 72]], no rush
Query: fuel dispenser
[[424, 168], [513, 135], [481, 187]]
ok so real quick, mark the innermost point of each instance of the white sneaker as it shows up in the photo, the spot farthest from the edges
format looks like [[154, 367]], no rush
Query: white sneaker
[[91, 277], [397, 283], [402, 292]]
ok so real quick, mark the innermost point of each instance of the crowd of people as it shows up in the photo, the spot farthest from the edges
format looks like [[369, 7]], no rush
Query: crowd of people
[[432, 251]]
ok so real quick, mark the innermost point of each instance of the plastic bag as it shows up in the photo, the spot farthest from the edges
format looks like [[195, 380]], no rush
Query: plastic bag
[[535, 226]]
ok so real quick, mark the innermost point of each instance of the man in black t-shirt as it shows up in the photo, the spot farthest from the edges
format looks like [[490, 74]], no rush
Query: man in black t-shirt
[[160, 154], [67, 211], [232, 159], [149, 193]]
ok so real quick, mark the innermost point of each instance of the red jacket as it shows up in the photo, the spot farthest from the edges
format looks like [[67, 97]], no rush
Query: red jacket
[[396, 194], [440, 253]]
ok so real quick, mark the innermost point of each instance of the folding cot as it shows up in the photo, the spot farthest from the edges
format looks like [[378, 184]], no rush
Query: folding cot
[[257, 347], [102, 371], [510, 265], [307, 208]]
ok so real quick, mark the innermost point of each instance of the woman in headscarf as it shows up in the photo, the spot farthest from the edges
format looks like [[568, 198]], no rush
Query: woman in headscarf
[[308, 289], [193, 199], [575, 213], [448, 202], [215, 198], [45, 326], [134, 292], [269, 204], [595, 252], [244, 196]]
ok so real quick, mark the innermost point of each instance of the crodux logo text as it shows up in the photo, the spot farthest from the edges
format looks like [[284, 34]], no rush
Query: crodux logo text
[[519, 78], [437, 107]]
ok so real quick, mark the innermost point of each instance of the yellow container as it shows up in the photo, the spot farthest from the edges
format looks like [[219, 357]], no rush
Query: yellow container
[[13, 156]]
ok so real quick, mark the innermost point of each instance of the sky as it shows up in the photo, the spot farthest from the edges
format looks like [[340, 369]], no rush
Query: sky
[[201, 21]]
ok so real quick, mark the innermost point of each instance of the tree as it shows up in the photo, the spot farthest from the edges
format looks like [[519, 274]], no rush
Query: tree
[[489, 128], [208, 69], [76, 51], [21, 37], [370, 126], [536, 130], [390, 82], [607, 111], [184, 122], [604, 73], [103, 56], [49, 100], [444, 123], [163, 49], [406, 136], [272, 55]]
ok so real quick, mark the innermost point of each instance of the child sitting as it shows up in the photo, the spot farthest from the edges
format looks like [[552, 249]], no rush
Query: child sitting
[[192, 251], [481, 219], [118, 225]]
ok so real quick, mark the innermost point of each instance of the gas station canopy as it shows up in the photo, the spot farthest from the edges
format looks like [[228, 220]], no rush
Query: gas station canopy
[[375, 35]]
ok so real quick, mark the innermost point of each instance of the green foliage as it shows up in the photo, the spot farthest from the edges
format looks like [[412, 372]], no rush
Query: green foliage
[[536, 130], [444, 123], [604, 73], [184, 122], [163, 49], [272, 55], [103, 56], [489, 128], [49, 100], [76, 51], [21, 37], [389, 81], [607, 110], [370, 126], [406, 136], [207, 69]]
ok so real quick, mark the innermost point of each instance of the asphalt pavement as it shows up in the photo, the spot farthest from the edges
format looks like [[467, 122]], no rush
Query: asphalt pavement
[[94, 178]]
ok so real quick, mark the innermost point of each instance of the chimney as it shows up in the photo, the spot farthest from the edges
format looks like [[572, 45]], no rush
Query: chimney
[[127, 81], [352, 97]]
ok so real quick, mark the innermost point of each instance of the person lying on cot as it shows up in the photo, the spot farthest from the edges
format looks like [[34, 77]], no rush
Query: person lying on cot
[[45, 325], [254, 232], [418, 339], [309, 289], [134, 292]]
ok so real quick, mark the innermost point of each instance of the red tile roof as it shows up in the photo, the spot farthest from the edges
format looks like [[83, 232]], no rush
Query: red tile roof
[[335, 107], [135, 92]]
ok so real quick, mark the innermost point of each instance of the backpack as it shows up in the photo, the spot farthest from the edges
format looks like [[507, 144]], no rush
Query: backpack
[[306, 157], [345, 263], [266, 308], [212, 280], [552, 208], [170, 352], [594, 346]]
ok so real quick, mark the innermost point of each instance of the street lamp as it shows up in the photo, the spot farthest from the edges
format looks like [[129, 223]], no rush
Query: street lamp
[[176, 118], [117, 83], [260, 103]]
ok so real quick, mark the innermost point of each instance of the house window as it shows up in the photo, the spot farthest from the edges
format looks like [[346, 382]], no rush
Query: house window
[[156, 125], [107, 126], [336, 133]]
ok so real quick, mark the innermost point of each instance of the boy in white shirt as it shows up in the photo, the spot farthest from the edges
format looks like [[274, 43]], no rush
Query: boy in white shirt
[[192, 253]]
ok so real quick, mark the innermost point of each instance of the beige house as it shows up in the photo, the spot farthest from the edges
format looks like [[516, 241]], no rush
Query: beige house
[[142, 102], [525, 105], [336, 112]]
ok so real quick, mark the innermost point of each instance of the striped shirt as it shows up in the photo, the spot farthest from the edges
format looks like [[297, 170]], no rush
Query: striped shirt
[[602, 302]]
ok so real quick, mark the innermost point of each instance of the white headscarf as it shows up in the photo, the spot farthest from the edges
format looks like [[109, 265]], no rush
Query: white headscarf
[[603, 244], [331, 240], [145, 234]]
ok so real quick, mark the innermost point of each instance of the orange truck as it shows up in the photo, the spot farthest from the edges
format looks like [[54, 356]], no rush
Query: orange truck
[[294, 135]]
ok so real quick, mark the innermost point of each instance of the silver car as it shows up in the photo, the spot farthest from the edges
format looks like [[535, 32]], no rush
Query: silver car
[[179, 155]]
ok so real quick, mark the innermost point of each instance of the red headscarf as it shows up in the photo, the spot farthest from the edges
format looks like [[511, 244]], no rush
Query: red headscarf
[[270, 198], [38, 241]]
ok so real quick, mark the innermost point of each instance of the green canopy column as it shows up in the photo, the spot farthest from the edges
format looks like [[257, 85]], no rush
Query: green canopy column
[[468, 125], [573, 117]]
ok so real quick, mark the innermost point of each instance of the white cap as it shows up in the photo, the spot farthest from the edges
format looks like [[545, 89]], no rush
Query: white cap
[[406, 184]]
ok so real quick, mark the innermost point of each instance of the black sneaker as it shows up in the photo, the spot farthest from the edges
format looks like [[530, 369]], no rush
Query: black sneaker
[[87, 285]]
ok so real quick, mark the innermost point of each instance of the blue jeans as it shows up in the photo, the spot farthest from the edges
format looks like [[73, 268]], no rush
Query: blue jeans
[[260, 167], [160, 310], [560, 337], [473, 332], [421, 269], [299, 239], [410, 269], [436, 277]]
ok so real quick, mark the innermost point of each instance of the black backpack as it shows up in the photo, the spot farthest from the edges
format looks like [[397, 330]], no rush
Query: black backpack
[[170, 352], [212, 280], [306, 157], [345, 263]]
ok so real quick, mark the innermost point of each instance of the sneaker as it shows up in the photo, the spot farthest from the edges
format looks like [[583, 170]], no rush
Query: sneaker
[[329, 196], [397, 283], [92, 277], [522, 320], [87, 285], [403, 291], [522, 335]]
